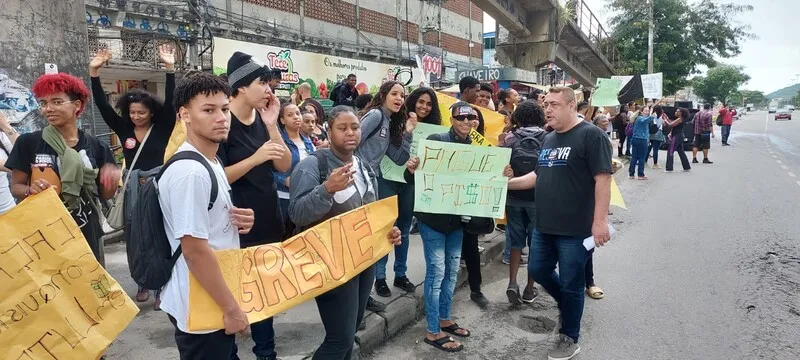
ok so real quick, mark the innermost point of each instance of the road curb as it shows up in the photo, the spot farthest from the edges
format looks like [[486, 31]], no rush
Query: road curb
[[405, 310]]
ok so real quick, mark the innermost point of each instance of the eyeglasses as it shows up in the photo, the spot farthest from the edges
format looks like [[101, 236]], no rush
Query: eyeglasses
[[54, 104], [465, 117]]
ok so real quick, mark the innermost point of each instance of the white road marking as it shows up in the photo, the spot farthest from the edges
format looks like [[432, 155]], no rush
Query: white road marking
[[784, 167], [791, 174]]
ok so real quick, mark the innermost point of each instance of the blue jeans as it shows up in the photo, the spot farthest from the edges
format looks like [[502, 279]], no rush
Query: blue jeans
[[264, 336], [654, 144], [519, 227], [405, 212], [628, 145], [566, 286], [726, 132], [639, 155], [442, 258]]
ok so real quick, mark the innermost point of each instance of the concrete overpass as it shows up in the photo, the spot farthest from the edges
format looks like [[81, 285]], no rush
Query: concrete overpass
[[534, 33]]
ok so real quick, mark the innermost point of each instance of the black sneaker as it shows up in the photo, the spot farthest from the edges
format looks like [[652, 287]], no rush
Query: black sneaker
[[479, 299], [706, 161], [375, 305], [529, 296], [405, 284], [694, 161], [512, 292], [382, 289]]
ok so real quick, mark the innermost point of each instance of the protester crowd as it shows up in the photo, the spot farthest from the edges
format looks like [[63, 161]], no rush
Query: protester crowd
[[256, 170]]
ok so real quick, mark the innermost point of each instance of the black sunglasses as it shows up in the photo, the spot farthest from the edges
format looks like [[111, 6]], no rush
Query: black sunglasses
[[465, 117]]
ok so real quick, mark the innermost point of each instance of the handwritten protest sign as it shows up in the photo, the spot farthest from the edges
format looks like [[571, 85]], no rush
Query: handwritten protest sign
[[605, 92], [394, 172], [461, 179], [493, 122], [272, 278], [57, 302]]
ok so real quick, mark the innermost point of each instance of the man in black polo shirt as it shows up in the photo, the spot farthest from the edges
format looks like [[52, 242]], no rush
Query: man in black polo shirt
[[573, 191]]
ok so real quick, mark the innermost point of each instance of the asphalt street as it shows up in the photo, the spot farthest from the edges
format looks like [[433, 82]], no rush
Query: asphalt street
[[705, 265]]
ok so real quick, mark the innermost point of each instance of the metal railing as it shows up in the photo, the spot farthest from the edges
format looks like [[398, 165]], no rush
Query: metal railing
[[590, 25]]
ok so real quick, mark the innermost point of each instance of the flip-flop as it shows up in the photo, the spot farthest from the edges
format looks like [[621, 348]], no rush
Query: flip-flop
[[439, 344], [595, 292], [452, 329]]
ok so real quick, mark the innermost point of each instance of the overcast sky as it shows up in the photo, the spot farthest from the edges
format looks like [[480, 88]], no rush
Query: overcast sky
[[772, 60]]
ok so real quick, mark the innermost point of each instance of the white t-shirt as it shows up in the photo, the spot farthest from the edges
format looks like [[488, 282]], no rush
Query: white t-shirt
[[6, 200], [362, 183], [184, 191]]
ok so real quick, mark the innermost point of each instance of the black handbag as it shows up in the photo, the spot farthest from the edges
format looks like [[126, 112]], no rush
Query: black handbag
[[479, 225]]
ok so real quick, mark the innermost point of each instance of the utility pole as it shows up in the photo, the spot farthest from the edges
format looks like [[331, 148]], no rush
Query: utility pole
[[650, 35]]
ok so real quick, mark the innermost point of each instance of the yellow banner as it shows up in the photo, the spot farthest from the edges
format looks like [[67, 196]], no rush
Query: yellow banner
[[57, 302], [493, 122], [272, 278], [616, 195], [175, 140]]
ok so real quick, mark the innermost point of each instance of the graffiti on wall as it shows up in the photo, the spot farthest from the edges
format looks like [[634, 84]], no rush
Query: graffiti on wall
[[18, 104]]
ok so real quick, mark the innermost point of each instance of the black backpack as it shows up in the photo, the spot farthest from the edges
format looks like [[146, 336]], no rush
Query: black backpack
[[653, 128], [333, 94], [150, 257], [525, 159]]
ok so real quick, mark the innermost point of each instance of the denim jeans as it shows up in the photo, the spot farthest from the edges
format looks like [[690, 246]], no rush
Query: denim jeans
[[726, 132], [264, 336], [442, 258], [519, 225], [654, 145], [628, 145], [405, 212], [566, 286], [639, 156], [341, 310]]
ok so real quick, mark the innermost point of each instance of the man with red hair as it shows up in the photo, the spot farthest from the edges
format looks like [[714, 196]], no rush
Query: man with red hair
[[77, 165]]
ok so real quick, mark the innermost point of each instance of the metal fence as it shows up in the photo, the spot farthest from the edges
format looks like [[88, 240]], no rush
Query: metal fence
[[590, 25]]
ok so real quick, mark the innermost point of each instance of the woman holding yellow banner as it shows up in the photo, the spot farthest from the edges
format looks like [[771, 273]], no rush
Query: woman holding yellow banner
[[328, 183]]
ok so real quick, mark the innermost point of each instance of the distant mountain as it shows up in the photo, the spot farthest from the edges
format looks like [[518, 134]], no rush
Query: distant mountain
[[785, 93]]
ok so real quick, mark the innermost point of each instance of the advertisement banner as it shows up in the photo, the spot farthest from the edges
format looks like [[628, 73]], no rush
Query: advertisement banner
[[58, 302], [321, 71], [273, 278]]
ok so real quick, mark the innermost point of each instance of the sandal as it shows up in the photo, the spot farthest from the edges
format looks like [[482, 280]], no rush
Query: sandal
[[595, 292], [142, 295], [453, 329], [439, 344]]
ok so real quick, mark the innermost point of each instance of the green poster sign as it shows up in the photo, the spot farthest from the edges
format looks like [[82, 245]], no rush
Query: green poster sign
[[461, 179], [394, 172], [605, 92]]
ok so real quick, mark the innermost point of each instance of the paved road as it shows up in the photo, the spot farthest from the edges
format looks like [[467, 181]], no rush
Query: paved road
[[706, 265]]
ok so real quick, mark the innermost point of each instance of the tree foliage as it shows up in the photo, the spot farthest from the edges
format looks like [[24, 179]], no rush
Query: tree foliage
[[686, 36], [721, 83], [756, 98]]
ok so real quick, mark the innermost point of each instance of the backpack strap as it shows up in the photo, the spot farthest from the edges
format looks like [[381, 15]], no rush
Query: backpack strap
[[322, 165]]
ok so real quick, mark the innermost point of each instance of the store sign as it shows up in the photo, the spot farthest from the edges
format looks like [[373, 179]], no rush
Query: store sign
[[321, 71], [486, 74]]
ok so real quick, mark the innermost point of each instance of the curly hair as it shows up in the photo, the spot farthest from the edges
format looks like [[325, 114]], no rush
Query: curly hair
[[435, 116], [139, 96], [528, 113], [203, 83], [397, 121], [503, 95], [55, 83]]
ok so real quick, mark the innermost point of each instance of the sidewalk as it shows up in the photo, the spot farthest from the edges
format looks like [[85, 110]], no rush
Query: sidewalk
[[299, 330]]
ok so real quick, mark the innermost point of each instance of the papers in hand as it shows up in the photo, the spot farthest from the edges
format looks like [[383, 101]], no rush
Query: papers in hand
[[588, 243]]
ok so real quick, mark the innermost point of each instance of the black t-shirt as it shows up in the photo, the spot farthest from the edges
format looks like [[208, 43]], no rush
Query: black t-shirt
[[565, 182], [163, 122], [32, 153], [256, 189], [678, 129]]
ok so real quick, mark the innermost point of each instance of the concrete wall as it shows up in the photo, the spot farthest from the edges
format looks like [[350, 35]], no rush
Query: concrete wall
[[35, 32]]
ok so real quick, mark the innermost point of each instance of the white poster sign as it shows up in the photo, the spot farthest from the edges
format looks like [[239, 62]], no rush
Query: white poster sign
[[653, 85]]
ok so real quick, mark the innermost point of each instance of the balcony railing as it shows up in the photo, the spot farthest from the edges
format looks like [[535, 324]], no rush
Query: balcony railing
[[590, 25]]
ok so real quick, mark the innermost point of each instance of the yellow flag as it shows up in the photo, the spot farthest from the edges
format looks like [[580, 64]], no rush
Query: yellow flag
[[176, 139], [272, 278], [57, 302], [493, 122]]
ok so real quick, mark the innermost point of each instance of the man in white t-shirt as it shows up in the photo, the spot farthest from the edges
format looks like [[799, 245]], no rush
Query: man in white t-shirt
[[184, 190]]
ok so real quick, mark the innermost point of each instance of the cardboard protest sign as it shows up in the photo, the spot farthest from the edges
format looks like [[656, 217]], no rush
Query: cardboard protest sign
[[394, 172], [272, 278], [493, 122], [461, 179], [58, 302]]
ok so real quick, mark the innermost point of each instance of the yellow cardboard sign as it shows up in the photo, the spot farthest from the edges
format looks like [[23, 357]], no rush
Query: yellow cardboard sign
[[493, 122], [272, 278], [57, 302], [177, 138], [616, 195]]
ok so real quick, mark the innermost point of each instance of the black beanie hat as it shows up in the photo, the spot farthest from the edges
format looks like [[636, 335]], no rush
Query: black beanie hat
[[243, 69]]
